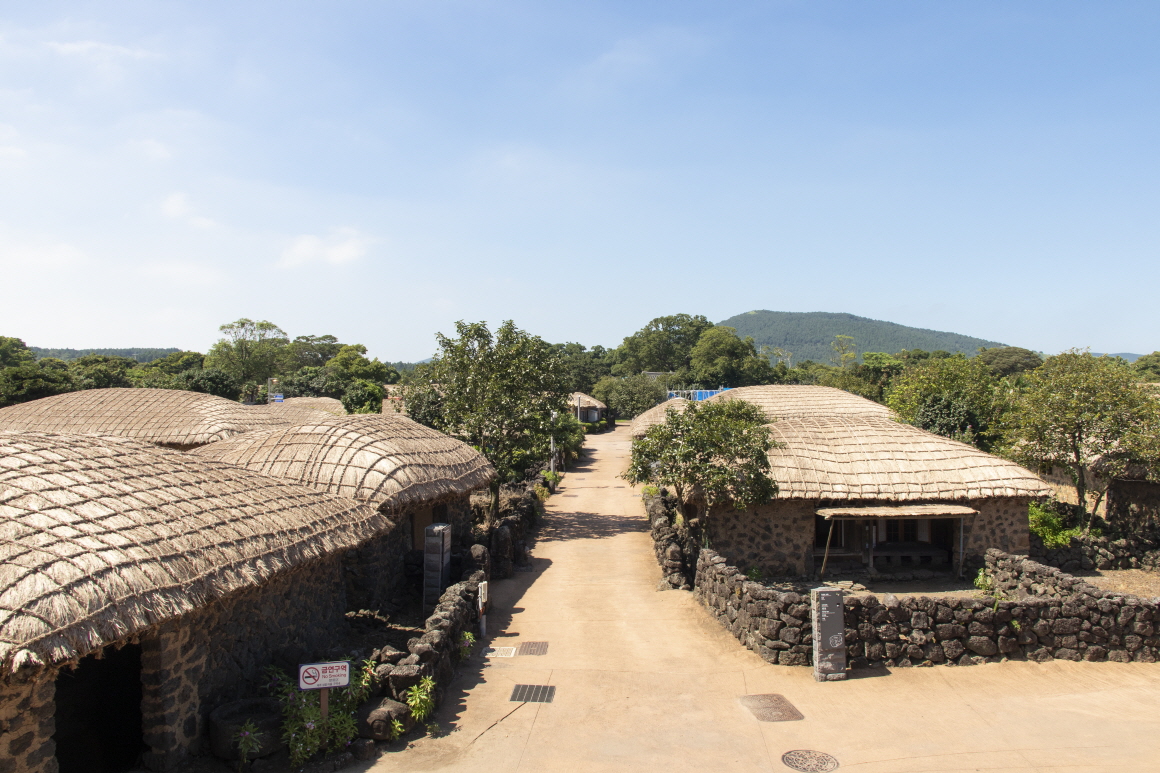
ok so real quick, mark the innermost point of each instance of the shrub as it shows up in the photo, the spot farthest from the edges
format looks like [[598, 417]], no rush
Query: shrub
[[363, 396], [302, 728], [648, 492], [1052, 527], [421, 699], [542, 493]]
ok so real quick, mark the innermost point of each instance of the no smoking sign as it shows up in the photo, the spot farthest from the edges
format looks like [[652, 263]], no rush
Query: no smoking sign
[[318, 676]]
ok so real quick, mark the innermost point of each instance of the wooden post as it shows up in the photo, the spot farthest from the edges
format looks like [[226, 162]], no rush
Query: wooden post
[[826, 557], [324, 699]]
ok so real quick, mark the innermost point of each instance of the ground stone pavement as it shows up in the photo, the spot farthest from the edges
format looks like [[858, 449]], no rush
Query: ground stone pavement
[[646, 680]]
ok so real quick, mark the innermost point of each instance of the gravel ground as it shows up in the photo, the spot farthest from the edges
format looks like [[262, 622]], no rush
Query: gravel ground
[[1136, 582]]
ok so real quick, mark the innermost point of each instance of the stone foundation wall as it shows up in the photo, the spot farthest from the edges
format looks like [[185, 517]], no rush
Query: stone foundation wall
[[26, 725], [777, 538], [1057, 617], [673, 544], [1087, 553], [374, 571], [1001, 523], [1133, 507]]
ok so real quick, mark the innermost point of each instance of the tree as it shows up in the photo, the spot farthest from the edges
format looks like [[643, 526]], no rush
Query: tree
[[495, 392], [309, 352], [177, 362], [585, 366], [1078, 409], [710, 453], [1147, 367], [352, 361], [363, 396], [1010, 360], [22, 383], [100, 371], [249, 351], [210, 381], [664, 345], [720, 358], [934, 392], [844, 354], [14, 353], [630, 397]]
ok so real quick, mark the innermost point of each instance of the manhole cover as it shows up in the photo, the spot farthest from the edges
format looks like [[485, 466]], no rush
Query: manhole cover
[[569, 495], [533, 648], [499, 652], [809, 761], [538, 693], [771, 708]]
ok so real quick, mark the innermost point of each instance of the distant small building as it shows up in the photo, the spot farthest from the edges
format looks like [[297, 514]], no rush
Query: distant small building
[[878, 493], [655, 415], [587, 408], [166, 417], [142, 587], [413, 475]]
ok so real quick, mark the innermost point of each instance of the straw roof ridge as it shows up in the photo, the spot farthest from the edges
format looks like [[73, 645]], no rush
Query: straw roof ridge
[[874, 458], [586, 401], [786, 401], [105, 537], [384, 459], [655, 415], [164, 416]]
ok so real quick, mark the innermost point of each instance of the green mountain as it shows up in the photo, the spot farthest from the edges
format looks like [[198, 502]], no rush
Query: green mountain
[[807, 335], [140, 355]]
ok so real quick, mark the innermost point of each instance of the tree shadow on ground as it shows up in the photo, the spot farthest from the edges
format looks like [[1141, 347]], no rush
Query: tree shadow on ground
[[581, 525]]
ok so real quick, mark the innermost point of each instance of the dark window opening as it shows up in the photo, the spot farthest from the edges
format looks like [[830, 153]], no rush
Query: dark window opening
[[943, 531], [98, 713], [439, 513], [892, 531], [822, 531]]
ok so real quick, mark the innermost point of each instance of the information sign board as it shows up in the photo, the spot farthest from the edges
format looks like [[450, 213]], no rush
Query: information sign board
[[320, 676], [829, 624]]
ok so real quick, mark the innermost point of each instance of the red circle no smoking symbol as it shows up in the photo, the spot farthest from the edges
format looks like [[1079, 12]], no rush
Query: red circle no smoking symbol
[[310, 675]]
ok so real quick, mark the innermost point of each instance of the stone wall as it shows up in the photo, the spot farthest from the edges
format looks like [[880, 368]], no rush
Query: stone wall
[[1133, 507], [1001, 523], [374, 571], [1053, 617], [27, 725], [1087, 553], [674, 545], [777, 538]]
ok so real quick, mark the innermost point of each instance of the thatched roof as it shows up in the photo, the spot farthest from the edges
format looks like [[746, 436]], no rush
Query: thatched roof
[[655, 415], [385, 459], [104, 537], [585, 401], [870, 458], [286, 414], [787, 401], [328, 404], [169, 417]]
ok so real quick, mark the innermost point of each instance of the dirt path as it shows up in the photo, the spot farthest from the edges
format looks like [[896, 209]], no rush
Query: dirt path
[[645, 680]]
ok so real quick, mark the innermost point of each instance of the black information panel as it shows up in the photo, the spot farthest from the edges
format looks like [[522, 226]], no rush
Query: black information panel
[[829, 623]]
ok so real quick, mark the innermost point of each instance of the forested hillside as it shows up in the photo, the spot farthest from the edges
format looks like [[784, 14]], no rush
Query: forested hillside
[[140, 355], [808, 335]]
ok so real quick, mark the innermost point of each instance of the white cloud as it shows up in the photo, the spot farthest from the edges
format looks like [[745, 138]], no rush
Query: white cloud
[[177, 207], [343, 245], [154, 150], [33, 256], [98, 50]]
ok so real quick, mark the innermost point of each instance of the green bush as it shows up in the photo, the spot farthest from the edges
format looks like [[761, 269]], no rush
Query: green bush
[[648, 492], [302, 727], [363, 396], [1053, 527]]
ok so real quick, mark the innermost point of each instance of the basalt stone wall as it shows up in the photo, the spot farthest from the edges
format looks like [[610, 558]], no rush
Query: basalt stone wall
[[374, 571], [1133, 507], [1089, 553], [673, 544], [777, 538], [1001, 523], [27, 724], [923, 631], [435, 653]]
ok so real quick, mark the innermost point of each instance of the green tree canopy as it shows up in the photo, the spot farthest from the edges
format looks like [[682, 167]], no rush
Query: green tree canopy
[[101, 371], [352, 361], [22, 383], [720, 358], [954, 396], [14, 353], [177, 362], [585, 366], [249, 351], [495, 392], [1147, 367], [210, 381], [309, 352], [664, 345], [710, 453], [1077, 409], [1010, 360], [629, 397], [363, 396]]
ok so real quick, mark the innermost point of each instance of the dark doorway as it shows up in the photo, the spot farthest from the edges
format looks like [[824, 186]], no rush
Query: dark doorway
[[98, 713]]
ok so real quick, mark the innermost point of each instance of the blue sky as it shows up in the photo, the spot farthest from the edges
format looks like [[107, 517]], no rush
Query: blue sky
[[378, 170]]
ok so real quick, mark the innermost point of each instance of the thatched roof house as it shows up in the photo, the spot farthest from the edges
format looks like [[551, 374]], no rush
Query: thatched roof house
[[204, 568], [413, 474], [655, 415], [897, 495], [788, 401], [328, 404], [166, 417], [586, 407]]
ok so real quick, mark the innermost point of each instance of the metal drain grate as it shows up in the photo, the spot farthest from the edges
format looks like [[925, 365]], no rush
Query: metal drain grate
[[809, 761], [499, 652], [533, 648], [535, 693], [771, 707]]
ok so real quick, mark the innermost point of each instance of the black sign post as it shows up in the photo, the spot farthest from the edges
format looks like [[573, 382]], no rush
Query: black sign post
[[829, 624]]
